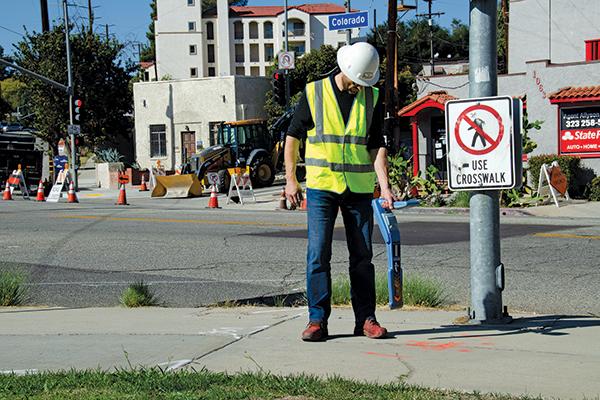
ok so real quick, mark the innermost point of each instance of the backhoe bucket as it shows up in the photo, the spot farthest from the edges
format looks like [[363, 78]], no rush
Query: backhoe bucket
[[177, 186]]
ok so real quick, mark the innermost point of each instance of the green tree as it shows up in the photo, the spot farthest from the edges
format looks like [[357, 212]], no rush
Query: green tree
[[99, 79], [502, 39]]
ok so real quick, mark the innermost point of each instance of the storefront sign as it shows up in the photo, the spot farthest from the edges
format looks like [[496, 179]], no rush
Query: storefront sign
[[580, 131]]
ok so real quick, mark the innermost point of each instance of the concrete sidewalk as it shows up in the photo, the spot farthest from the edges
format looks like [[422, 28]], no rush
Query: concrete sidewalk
[[552, 356]]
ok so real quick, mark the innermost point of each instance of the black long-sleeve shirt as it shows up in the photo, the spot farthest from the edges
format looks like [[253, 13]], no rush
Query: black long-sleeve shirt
[[302, 120]]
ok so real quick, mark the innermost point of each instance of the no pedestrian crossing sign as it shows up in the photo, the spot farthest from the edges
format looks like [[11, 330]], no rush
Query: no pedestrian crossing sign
[[349, 20], [484, 143]]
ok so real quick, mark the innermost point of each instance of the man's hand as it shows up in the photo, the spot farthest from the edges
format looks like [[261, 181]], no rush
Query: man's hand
[[293, 192], [388, 196]]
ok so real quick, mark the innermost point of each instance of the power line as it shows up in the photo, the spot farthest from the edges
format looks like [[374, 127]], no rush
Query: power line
[[430, 20], [10, 30]]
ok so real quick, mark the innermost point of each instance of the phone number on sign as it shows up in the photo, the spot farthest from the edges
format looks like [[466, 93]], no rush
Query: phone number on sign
[[583, 123]]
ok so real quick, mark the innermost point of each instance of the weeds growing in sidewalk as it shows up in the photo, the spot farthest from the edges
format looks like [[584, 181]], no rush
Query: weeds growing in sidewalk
[[138, 295], [460, 199], [417, 291], [12, 290]]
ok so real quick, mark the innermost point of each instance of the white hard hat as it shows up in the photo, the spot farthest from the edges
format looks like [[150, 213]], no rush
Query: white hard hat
[[360, 63]]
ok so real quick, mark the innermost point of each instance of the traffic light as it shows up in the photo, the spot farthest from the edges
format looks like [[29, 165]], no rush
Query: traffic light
[[78, 103], [278, 83]]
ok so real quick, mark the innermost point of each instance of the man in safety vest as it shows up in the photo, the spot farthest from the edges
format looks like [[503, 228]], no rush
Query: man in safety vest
[[340, 117]]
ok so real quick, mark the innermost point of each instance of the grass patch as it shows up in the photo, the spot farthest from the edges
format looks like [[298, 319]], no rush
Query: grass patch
[[460, 199], [156, 384], [138, 295], [417, 291], [12, 290]]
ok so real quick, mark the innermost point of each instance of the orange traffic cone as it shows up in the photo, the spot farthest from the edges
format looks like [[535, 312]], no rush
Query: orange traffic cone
[[282, 201], [122, 200], [40, 192], [143, 187], [213, 202], [7, 195], [71, 196]]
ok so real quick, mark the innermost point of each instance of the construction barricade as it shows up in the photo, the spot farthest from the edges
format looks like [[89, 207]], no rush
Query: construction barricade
[[240, 185]]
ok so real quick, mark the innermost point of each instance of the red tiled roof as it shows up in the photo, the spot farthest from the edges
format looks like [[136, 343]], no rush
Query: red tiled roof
[[575, 94], [146, 64], [255, 11], [436, 99], [273, 11]]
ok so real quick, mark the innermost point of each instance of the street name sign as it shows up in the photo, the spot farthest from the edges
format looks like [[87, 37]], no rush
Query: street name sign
[[349, 20], [73, 129], [484, 143]]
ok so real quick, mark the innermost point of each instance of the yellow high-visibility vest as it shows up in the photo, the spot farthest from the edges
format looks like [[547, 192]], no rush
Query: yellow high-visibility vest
[[336, 154]]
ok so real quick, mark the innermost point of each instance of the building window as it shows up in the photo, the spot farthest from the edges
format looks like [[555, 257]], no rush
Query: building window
[[191, 3], [254, 55], [210, 53], [592, 50], [146, 76], [240, 71], [269, 53], [268, 30], [193, 72], [158, 141], [239, 53], [193, 50], [297, 47], [191, 26], [238, 30], [211, 71], [254, 71], [253, 27], [296, 27], [210, 31]]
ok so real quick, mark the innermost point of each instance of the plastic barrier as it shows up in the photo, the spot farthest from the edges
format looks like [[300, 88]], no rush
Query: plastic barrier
[[391, 235], [175, 186]]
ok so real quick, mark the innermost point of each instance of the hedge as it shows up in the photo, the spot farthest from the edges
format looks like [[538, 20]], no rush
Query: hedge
[[570, 166], [593, 189]]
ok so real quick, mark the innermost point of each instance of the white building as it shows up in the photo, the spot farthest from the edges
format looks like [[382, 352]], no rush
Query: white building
[[174, 119], [554, 66], [192, 43]]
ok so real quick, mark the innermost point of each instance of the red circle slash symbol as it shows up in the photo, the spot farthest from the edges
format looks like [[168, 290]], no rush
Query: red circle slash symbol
[[476, 125]]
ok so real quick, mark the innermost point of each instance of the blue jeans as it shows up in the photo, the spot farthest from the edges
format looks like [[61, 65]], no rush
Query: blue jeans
[[358, 222]]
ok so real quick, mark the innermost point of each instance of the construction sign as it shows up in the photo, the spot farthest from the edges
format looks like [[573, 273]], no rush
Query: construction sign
[[63, 177], [484, 143], [17, 181]]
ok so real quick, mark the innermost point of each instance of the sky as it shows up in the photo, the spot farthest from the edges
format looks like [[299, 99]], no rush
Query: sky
[[128, 20]]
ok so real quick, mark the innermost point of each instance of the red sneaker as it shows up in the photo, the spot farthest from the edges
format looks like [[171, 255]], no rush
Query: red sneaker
[[315, 332], [371, 329]]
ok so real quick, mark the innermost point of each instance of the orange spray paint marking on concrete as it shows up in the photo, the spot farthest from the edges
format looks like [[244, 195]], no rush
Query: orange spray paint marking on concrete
[[434, 346]]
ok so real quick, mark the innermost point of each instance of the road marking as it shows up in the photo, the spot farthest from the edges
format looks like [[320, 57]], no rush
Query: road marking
[[567, 236], [92, 195], [180, 221]]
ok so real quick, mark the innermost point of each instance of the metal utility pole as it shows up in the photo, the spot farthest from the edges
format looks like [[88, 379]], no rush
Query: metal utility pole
[[430, 21], [91, 16], [107, 36], [390, 95], [45, 21], [487, 272], [70, 86], [285, 35], [349, 31]]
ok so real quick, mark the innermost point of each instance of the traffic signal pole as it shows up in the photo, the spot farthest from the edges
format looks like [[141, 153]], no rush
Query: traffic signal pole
[[487, 272], [286, 73], [70, 91]]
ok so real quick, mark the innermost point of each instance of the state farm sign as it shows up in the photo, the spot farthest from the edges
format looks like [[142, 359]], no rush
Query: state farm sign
[[580, 131]]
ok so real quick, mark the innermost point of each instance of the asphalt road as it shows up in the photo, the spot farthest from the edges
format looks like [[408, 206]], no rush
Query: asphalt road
[[86, 254]]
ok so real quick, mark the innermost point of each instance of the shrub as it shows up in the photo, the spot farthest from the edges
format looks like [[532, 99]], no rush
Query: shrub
[[592, 190], [12, 292], [570, 166], [138, 295]]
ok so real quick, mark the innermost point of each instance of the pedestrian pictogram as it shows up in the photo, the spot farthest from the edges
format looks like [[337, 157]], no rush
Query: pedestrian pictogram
[[484, 143], [485, 127]]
